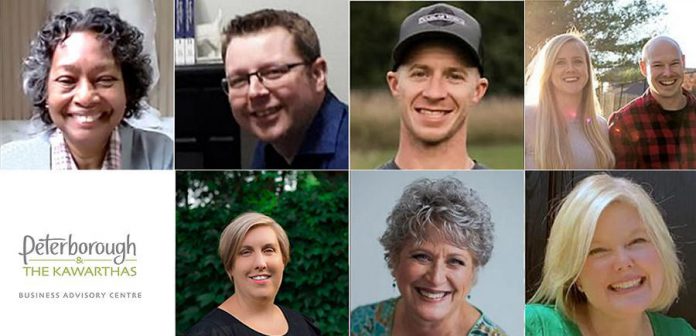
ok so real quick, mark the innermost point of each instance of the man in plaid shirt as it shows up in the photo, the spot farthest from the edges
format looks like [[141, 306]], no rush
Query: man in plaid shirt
[[658, 129]]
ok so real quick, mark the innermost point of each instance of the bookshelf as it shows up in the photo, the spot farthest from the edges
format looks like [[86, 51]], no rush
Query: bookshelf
[[207, 136]]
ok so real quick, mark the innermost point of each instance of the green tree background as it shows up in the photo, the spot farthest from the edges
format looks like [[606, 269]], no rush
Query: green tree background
[[374, 30], [615, 33], [313, 209]]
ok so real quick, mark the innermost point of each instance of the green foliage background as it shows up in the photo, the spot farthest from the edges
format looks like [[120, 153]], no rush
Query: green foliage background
[[313, 209]]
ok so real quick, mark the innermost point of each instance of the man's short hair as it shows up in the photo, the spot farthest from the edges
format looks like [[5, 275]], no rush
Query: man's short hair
[[652, 41], [304, 37]]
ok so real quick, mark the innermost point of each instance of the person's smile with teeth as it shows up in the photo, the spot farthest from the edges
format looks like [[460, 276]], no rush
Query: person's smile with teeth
[[627, 284], [662, 64], [258, 267], [433, 111], [434, 278], [622, 272], [431, 294], [569, 73], [265, 112]]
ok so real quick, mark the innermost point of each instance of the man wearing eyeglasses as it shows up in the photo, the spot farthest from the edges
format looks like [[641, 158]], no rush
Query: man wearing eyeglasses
[[276, 85], [437, 79]]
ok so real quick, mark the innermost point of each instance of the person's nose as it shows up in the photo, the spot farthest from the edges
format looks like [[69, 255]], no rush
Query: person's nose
[[256, 87], [667, 71], [623, 260], [436, 273], [85, 94], [569, 67], [435, 89], [260, 261]]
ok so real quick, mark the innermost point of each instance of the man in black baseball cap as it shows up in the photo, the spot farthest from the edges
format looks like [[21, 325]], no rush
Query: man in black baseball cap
[[437, 78]]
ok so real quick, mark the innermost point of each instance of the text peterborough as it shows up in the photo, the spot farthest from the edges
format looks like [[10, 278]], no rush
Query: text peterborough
[[50, 246]]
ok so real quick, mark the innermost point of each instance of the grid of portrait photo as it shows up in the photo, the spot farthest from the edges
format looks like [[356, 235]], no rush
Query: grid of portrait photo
[[348, 167]]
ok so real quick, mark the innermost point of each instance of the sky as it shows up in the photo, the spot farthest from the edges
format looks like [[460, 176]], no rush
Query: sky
[[680, 23]]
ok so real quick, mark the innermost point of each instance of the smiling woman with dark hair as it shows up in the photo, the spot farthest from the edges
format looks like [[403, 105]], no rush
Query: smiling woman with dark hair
[[85, 74]]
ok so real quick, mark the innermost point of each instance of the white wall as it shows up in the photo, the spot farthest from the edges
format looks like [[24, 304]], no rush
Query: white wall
[[19, 22], [330, 19]]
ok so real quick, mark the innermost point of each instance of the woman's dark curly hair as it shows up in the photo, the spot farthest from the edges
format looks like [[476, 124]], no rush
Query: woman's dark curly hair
[[124, 40]]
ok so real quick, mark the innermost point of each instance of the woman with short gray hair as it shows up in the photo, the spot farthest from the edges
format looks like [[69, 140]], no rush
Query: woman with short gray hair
[[438, 235]]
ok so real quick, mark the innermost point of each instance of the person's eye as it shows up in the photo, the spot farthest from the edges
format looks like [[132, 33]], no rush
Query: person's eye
[[560, 62], [458, 262], [66, 80], [421, 257], [245, 252], [274, 73], [456, 77], [269, 250], [418, 74], [579, 62], [597, 250], [106, 81], [657, 65], [236, 82], [639, 240]]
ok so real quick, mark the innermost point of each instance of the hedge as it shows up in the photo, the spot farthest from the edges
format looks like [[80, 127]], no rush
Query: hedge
[[313, 209]]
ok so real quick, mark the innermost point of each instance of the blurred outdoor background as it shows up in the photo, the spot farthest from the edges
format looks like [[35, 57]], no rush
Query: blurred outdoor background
[[312, 207], [615, 32], [495, 133]]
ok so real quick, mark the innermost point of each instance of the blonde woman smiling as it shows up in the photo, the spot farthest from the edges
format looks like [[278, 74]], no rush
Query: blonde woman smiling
[[611, 266], [254, 249], [564, 128]]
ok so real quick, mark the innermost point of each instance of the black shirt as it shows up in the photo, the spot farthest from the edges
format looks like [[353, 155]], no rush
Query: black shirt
[[220, 323]]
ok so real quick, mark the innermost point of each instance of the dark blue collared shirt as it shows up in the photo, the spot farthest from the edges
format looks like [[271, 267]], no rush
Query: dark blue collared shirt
[[325, 145]]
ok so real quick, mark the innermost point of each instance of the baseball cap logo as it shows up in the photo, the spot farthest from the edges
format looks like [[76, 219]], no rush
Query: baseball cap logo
[[441, 16]]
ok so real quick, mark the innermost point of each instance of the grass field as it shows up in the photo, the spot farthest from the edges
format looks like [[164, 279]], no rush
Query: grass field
[[495, 132], [496, 156]]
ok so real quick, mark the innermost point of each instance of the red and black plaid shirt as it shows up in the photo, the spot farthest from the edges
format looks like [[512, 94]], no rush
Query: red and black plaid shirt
[[644, 136]]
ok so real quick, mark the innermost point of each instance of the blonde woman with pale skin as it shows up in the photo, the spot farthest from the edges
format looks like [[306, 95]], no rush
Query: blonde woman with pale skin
[[611, 266], [254, 250], [564, 127]]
